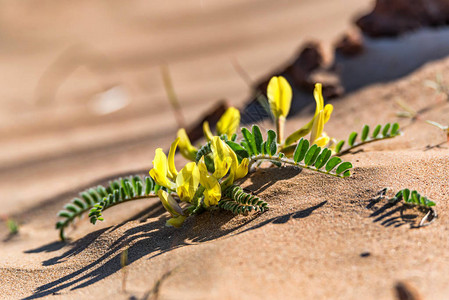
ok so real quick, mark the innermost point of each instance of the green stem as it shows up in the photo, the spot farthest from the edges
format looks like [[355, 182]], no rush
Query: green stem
[[359, 144], [280, 124], [285, 160]]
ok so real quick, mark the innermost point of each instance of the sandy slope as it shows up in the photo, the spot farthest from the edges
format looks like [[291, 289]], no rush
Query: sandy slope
[[66, 54], [309, 245]]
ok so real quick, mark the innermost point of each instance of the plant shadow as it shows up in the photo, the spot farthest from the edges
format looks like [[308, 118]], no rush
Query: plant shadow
[[301, 214], [392, 214], [149, 240], [259, 182]]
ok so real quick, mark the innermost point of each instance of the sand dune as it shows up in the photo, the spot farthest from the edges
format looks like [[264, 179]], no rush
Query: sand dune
[[323, 237]]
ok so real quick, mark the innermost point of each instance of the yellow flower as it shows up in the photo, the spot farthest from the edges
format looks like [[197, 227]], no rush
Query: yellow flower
[[175, 221], [229, 122], [212, 192], [327, 111], [185, 147], [173, 208], [237, 170], [207, 132], [169, 203], [322, 115], [171, 159], [160, 171], [279, 93], [187, 182], [221, 156], [163, 169]]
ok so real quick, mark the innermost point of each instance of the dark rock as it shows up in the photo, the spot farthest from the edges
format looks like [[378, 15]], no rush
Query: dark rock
[[394, 17], [350, 44], [310, 58], [404, 291]]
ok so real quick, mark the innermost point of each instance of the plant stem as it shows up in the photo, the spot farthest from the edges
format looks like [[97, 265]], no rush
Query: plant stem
[[280, 124], [346, 151], [285, 160]]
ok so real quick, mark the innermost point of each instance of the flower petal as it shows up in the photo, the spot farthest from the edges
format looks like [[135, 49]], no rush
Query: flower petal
[[323, 140], [170, 203], [175, 222], [221, 156], [207, 132], [160, 170], [185, 147], [242, 169], [318, 95], [212, 192], [279, 93], [171, 159], [317, 128], [327, 112], [187, 182], [229, 122]]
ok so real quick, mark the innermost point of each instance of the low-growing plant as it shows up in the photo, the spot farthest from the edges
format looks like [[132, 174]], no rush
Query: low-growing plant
[[445, 129], [415, 200], [13, 226], [211, 179], [438, 85]]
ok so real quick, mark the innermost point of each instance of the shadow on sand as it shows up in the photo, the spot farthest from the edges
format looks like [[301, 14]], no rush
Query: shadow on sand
[[393, 214], [149, 240]]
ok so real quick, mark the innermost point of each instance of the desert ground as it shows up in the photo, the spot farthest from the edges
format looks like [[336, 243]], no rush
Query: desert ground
[[322, 238]]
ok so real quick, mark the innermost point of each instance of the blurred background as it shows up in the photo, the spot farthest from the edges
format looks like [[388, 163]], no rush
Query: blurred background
[[81, 87]]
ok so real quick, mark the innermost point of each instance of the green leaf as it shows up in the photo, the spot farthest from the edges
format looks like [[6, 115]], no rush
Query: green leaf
[[406, 195], [239, 150], [116, 196], [430, 203], [258, 139], [94, 195], [339, 146], [123, 195], [87, 198], [273, 148], [71, 207], [352, 138], [79, 203], [115, 185], [376, 131], [149, 184], [365, 132], [347, 173], [249, 138], [300, 151], [65, 214], [299, 133], [139, 188], [245, 146], [343, 167], [332, 163], [414, 197], [271, 142], [395, 129], [323, 158], [124, 186], [310, 155], [102, 191], [264, 148], [385, 130]]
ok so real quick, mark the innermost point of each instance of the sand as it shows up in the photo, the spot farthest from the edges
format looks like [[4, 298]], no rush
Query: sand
[[323, 237]]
